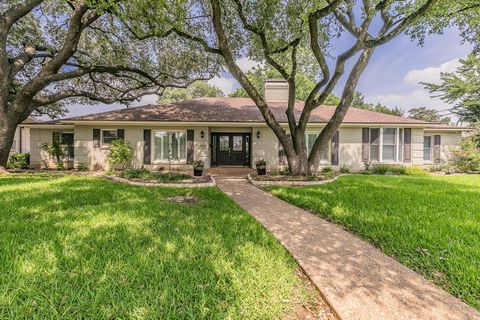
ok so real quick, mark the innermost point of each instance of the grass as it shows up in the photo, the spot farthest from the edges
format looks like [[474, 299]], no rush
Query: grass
[[431, 224], [87, 248]]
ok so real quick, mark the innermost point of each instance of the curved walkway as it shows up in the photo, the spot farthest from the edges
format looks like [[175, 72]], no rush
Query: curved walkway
[[358, 280]]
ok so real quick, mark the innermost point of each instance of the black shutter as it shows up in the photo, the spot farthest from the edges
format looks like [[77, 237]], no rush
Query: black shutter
[[335, 147], [147, 146], [437, 141], [365, 144], [96, 138], [407, 151], [121, 134], [190, 145]]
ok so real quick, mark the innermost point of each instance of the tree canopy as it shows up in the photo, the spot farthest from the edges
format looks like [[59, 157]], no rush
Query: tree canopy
[[198, 89], [54, 52], [297, 36], [429, 115], [305, 84], [359, 102], [462, 89]]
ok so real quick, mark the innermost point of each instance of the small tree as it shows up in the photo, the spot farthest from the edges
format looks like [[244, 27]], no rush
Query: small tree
[[120, 153], [467, 156], [54, 149]]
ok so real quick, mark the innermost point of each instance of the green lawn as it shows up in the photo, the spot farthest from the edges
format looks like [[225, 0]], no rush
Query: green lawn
[[86, 248], [431, 224]]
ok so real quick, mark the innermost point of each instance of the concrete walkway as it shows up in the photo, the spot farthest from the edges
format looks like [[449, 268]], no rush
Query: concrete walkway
[[358, 281]]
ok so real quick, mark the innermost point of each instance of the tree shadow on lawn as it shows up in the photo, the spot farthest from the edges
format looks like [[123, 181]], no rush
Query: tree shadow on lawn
[[94, 249], [431, 225]]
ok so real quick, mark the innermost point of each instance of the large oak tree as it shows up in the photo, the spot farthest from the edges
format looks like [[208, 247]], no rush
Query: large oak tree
[[299, 36], [54, 52]]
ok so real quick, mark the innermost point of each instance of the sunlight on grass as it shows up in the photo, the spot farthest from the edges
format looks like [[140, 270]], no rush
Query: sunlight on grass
[[431, 224], [78, 247]]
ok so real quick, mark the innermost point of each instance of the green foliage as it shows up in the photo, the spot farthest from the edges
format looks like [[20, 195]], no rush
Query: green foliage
[[54, 149], [82, 166], [19, 161], [461, 88], [87, 248], [428, 115], [260, 163], [359, 102], [120, 153], [144, 174], [386, 169], [198, 89], [344, 169], [198, 164], [60, 166], [430, 224], [304, 84], [467, 156], [327, 172], [416, 171]]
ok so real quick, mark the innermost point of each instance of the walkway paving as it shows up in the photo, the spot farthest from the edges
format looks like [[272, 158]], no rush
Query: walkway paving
[[358, 280]]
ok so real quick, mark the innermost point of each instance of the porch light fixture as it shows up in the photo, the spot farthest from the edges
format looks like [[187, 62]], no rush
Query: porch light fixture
[[202, 134], [258, 134]]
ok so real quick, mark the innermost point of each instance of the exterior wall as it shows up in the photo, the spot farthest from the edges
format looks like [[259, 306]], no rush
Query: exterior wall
[[417, 147], [21, 141], [96, 158], [39, 157], [266, 147], [350, 152]]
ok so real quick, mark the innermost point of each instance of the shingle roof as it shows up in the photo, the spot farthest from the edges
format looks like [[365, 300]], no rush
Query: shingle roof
[[235, 110]]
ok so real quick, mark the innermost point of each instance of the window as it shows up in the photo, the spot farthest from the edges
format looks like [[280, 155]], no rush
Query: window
[[400, 144], [375, 144], [169, 145], [310, 141], [109, 135], [389, 145], [427, 148]]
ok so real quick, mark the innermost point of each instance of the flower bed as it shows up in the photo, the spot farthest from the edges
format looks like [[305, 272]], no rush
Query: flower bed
[[145, 177]]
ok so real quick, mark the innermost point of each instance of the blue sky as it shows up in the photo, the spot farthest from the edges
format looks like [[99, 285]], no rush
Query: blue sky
[[391, 77]]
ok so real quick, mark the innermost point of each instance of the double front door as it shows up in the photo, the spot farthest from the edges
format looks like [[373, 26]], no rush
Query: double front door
[[231, 149]]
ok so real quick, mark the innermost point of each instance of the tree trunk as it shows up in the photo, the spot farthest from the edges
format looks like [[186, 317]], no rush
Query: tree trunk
[[8, 125]]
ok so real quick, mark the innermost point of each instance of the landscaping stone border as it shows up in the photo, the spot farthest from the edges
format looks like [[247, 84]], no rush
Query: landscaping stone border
[[212, 183], [260, 183]]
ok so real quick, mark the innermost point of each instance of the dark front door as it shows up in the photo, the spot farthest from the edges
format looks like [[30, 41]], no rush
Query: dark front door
[[231, 149]]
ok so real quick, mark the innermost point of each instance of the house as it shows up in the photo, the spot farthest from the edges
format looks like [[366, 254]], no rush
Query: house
[[232, 132], [21, 139]]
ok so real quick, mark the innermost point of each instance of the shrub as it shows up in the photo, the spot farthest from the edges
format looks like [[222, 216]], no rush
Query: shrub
[[60, 165], [327, 172], [199, 164], [368, 166], [467, 156], [344, 169], [144, 174], [19, 161], [260, 163], [416, 171], [384, 169], [82, 166], [54, 149], [120, 153]]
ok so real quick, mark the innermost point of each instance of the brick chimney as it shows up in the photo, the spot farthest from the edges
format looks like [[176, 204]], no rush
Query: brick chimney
[[276, 90]]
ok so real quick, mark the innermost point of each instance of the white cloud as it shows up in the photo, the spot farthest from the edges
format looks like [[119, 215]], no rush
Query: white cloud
[[431, 74], [414, 99], [227, 85], [246, 64]]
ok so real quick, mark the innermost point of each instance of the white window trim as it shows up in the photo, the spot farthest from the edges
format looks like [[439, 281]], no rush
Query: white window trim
[[380, 148], [329, 153], [431, 149], [165, 161], [105, 145]]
